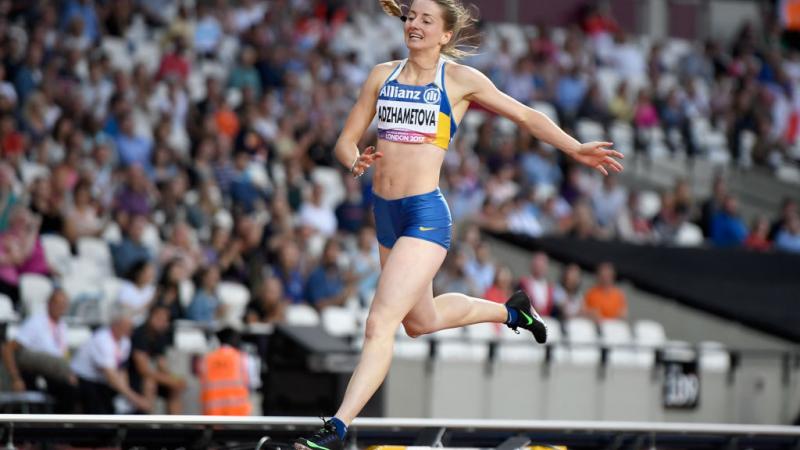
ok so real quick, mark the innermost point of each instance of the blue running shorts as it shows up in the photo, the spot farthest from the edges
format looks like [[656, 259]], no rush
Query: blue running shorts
[[423, 216]]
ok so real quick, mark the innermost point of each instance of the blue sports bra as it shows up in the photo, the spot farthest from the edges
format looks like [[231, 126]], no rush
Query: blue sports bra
[[415, 114]]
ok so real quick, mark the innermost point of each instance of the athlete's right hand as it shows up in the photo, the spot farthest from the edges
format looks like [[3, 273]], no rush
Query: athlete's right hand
[[365, 159]]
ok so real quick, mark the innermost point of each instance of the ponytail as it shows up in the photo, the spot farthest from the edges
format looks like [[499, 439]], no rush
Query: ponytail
[[391, 8]]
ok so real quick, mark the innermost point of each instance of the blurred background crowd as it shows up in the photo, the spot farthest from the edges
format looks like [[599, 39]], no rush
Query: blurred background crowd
[[193, 142]]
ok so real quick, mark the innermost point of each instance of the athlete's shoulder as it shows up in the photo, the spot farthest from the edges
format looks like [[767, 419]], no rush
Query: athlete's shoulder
[[385, 67], [461, 72], [379, 73]]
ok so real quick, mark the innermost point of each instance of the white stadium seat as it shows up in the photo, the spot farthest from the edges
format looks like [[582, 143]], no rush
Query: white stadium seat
[[339, 321], [409, 368], [649, 333], [332, 185], [589, 130], [89, 270], [96, 250], [615, 332], [34, 291], [689, 235], [482, 332], [554, 335], [191, 340], [111, 287], [11, 331], [583, 340], [577, 367], [627, 375], [459, 367], [649, 203], [112, 233], [57, 253], [519, 362], [186, 292], [77, 335], [714, 363], [235, 297], [7, 313], [302, 315], [86, 298], [151, 239]]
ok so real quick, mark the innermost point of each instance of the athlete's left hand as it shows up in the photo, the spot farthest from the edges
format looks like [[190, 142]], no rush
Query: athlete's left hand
[[365, 160], [597, 156]]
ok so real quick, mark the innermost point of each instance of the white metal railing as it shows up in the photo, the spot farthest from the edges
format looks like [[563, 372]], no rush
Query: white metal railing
[[289, 423]]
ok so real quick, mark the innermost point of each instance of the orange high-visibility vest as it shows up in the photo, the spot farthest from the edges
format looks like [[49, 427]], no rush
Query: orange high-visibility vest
[[224, 389], [790, 14]]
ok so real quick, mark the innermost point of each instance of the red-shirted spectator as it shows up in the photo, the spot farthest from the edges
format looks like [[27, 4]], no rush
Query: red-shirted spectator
[[502, 287], [758, 239], [175, 63]]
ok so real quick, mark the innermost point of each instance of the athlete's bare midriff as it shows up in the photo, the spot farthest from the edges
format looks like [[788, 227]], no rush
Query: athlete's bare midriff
[[406, 169]]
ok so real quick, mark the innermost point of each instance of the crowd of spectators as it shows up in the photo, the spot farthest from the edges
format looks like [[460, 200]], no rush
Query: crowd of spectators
[[746, 85], [471, 270], [746, 88], [192, 173]]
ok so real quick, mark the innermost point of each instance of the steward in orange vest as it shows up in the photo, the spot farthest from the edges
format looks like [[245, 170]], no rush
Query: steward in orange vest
[[224, 384], [790, 14]]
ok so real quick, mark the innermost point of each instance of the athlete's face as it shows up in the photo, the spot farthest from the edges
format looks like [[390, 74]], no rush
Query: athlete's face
[[425, 26]]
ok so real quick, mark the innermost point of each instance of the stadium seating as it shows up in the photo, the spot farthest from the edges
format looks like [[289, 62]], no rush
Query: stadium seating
[[627, 375], [458, 368], [7, 313], [235, 298], [302, 315], [577, 366], [191, 340], [520, 365], [77, 335], [649, 333], [716, 383], [87, 298], [409, 368], [57, 252], [34, 291], [96, 250], [339, 321]]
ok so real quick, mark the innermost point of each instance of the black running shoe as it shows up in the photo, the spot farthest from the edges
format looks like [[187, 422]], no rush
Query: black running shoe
[[528, 317], [324, 439]]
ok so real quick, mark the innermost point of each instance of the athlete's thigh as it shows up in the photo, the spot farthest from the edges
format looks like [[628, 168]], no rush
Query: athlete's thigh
[[384, 253], [406, 276], [423, 314], [424, 309]]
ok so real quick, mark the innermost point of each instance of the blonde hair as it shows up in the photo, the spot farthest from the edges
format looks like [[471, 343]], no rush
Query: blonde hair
[[457, 18]]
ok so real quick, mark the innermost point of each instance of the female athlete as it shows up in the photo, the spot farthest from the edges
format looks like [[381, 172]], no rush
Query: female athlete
[[419, 102]]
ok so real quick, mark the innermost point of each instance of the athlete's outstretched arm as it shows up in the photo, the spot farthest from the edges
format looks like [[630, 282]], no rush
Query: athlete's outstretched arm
[[480, 89], [357, 122]]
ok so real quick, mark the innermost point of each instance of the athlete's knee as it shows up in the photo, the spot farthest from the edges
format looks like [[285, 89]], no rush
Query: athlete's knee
[[416, 329], [379, 327]]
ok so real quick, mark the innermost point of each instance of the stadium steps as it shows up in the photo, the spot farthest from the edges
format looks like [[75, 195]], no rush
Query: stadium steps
[[759, 192]]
